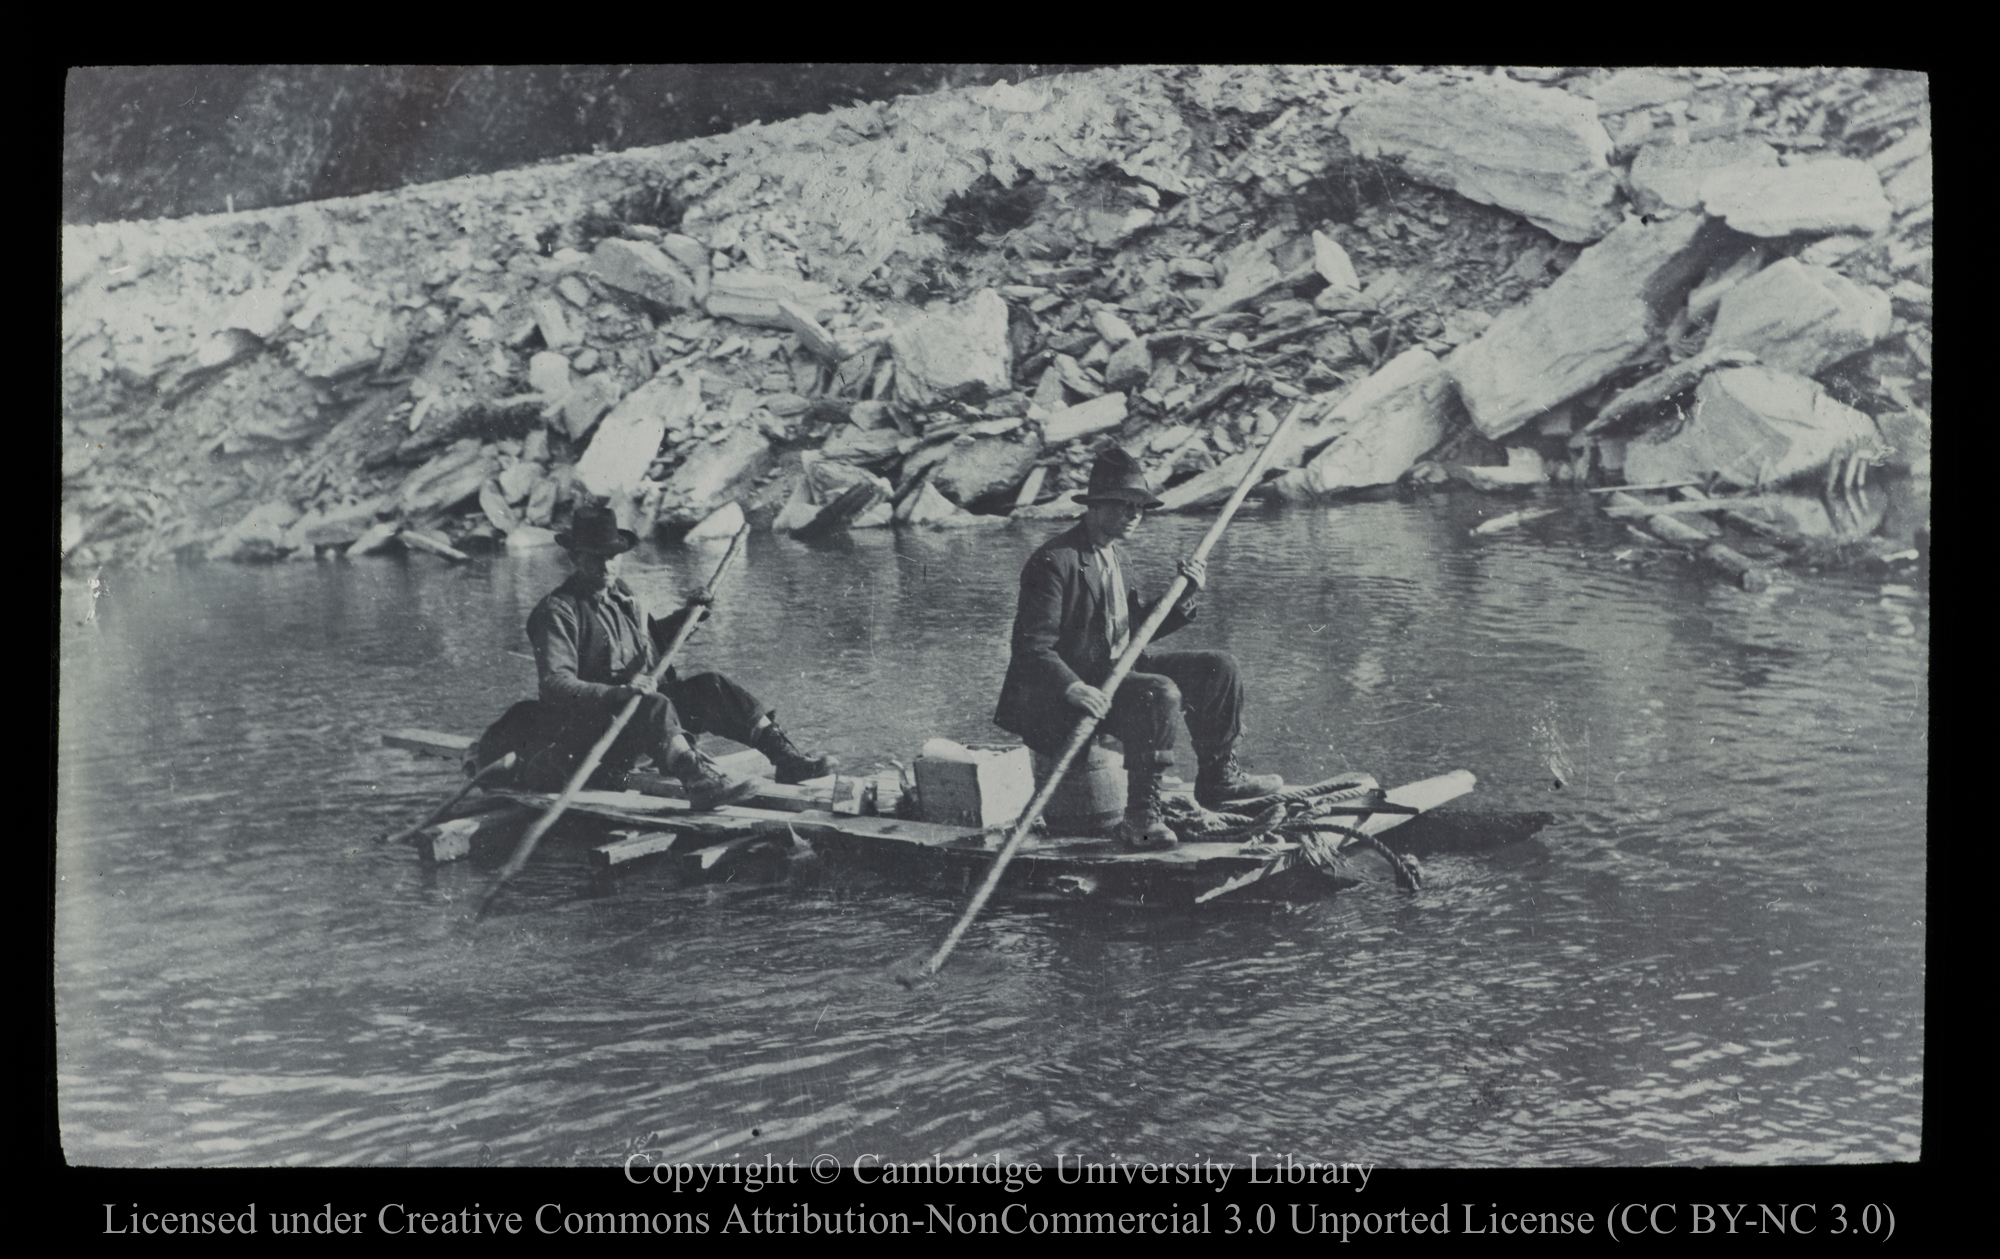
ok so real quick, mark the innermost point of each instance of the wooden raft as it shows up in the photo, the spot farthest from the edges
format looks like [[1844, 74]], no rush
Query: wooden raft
[[654, 824], [830, 792]]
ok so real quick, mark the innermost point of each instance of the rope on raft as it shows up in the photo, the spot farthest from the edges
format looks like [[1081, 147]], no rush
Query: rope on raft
[[1325, 857], [1341, 787], [1299, 815], [1191, 822]]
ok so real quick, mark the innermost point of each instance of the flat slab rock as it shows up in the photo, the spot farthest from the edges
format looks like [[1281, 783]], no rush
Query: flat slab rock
[[336, 526], [1669, 176], [1815, 198], [1799, 318], [1384, 426], [629, 437], [1539, 152], [713, 475], [447, 479], [644, 271], [1084, 419], [1599, 316], [1627, 90], [1752, 426]]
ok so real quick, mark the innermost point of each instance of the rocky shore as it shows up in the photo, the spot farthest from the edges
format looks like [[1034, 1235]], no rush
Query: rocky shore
[[936, 312]]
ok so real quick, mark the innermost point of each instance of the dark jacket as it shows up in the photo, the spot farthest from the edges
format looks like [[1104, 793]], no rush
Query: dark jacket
[[1059, 634], [584, 648]]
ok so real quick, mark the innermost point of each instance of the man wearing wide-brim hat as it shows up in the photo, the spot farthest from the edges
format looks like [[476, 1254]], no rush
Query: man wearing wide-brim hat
[[595, 644], [1075, 619]]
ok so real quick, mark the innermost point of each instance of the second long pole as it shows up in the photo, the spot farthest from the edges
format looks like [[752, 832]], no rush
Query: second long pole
[[1085, 728]]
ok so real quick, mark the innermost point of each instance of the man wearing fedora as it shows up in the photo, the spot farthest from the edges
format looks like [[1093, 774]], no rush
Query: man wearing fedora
[[594, 645], [1075, 619]]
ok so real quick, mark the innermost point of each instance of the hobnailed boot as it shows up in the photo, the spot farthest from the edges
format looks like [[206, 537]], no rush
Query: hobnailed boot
[[793, 766], [1144, 828], [1220, 781], [708, 787]]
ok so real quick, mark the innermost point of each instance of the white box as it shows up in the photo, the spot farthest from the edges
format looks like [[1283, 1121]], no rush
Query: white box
[[988, 791]]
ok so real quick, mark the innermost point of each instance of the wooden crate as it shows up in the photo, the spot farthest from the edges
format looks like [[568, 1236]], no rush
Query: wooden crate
[[989, 791]]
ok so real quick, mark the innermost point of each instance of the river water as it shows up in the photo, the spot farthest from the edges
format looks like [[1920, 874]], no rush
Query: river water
[[1715, 955]]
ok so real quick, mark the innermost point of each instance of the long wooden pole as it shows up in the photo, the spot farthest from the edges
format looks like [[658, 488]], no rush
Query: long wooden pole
[[526, 847], [1141, 638]]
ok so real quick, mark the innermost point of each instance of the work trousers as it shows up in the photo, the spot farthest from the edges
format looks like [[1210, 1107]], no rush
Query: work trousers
[[707, 703], [1204, 686]]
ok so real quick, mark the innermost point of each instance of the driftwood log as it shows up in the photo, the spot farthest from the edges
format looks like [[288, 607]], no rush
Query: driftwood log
[[1680, 533]]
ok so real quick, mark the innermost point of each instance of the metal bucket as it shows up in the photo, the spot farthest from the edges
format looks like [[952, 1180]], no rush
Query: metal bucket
[[1091, 799]]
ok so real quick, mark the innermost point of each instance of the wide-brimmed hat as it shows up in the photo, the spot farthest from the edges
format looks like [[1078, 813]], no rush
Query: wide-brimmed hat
[[1116, 477], [595, 531]]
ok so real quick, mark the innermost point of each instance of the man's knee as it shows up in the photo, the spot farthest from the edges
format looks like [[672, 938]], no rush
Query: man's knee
[[1155, 691], [1222, 666]]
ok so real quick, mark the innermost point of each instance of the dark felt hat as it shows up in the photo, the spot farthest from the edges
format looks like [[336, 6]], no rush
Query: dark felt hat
[[595, 530], [1116, 477]]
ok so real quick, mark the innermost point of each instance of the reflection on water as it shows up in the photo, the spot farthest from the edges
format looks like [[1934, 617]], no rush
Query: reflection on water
[[1715, 956]]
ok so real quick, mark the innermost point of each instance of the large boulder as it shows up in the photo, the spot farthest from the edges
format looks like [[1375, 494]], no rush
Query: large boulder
[[723, 522], [1310, 432], [336, 526], [1599, 316], [978, 467], [1384, 426], [961, 352], [260, 535], [931, 507], [1839, 194], [1799, 318], [448, 479], [1752, 426], [642, 271], [825, 480], [1539, 152], [1668, 176], [1210, 486], [628, 440], [716, 473]]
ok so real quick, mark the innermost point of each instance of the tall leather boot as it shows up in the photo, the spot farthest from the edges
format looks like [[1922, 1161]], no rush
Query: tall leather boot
[[793, 766], [1145, 829], [1221, 782], [707, 786]]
